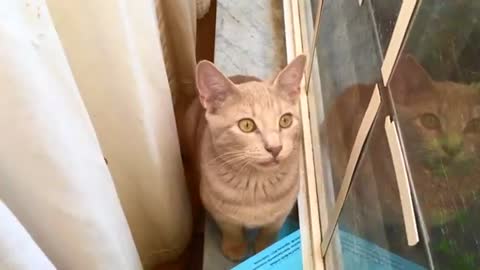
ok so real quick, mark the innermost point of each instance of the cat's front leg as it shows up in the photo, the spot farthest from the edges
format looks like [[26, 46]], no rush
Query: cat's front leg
[[268, 234], [234, 243]]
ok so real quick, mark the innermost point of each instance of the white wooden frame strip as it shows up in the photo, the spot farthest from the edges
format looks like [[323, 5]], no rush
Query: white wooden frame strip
[[316, 116], [315, 108], [360, 139], [396, 41], [311, 188], [307, 200], [402, 182], [312, 43]]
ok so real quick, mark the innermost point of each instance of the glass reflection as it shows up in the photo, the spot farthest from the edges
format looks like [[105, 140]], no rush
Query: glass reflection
[[371, 232], [348, 58], [352, 41], [437, 99], [314, 5], [384, 16]]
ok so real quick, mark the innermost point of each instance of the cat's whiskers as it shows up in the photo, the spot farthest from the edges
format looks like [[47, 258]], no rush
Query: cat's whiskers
[[236, 160], [235, 181], [257, 155], [231, 161], [247, 162], [225, 155], [427, 153]]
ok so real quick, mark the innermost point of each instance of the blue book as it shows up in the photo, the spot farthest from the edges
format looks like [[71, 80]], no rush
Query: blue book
[[357, 254], [285, 254], [360, 254]]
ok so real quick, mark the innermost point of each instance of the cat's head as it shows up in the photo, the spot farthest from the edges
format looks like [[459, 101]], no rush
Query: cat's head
[[256, 123], [441, 120]]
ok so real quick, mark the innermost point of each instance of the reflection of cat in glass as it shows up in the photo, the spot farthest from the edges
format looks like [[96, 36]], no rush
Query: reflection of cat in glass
[[440, 127], [440, 122]]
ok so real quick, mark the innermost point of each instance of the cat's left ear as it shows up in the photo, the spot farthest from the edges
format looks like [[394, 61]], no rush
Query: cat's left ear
[[289, 79]]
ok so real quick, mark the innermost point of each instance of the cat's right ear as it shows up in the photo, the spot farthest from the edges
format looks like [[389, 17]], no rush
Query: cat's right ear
[[409, 80], [289, 79], [213, 87]]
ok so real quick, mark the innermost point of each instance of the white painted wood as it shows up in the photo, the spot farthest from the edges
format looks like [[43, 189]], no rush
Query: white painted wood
[[396, 42], [402, 182], [360, 139]]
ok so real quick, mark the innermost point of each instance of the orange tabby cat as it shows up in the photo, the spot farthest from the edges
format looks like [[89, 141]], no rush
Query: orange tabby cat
[[244, 136]]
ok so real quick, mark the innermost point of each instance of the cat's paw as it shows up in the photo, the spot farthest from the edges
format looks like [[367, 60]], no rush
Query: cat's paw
[[235, 251], [262, 243]]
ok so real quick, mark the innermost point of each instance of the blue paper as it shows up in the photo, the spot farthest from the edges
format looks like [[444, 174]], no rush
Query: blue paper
[[284, 254], [288, 227], [359, 254]]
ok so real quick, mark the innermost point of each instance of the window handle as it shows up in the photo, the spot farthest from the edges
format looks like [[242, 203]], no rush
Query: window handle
[[399, 166]]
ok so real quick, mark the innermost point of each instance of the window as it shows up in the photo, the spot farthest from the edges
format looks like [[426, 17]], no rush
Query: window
[[411, 67]]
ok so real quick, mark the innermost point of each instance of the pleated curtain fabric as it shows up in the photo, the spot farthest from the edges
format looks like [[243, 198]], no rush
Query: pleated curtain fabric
[[17, 248], [83, 83]]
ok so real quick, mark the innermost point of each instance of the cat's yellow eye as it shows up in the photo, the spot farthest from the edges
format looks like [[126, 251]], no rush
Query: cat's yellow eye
[[430, 121], [247, 125], [473, 126], [286, 120]]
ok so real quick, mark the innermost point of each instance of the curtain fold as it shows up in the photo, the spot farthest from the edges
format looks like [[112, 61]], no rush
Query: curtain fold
[[177, 21], [18, 251], [81, 81], [114, 51], [52, 173]]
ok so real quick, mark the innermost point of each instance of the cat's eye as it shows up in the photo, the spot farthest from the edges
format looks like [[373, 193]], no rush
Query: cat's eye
[[247, 125], [430, 121], [473, 126], [286, 120]]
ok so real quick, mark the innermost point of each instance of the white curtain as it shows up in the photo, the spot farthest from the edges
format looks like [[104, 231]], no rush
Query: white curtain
[[17, 249], [82, 81]]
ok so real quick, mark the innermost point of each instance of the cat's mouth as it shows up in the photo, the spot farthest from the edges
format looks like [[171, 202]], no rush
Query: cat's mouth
[[442, 166], [269, 163]]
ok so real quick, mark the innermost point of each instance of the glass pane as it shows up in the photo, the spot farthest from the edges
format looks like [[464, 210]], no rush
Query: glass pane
[[384, 16], [314, 4], [310, 12], [371, 232], [348, 58], [435, 88]]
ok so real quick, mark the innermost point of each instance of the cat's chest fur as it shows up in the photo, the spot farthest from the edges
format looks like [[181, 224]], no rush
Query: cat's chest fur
[[246, 196]]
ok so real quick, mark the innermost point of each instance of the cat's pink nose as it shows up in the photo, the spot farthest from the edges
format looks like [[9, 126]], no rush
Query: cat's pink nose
[[274, 150]]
